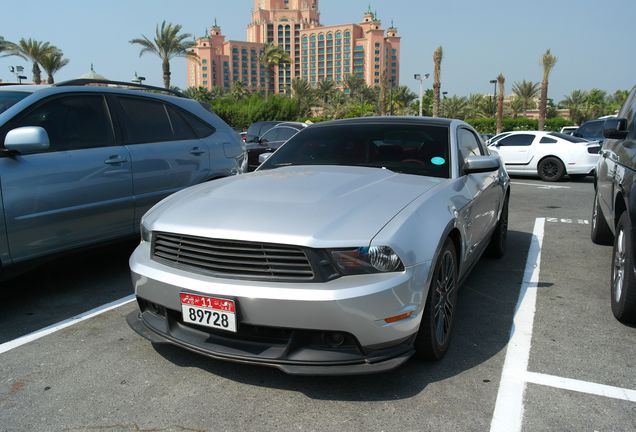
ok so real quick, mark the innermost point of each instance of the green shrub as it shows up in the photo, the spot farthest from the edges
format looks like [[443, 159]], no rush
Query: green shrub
[[488, 125]]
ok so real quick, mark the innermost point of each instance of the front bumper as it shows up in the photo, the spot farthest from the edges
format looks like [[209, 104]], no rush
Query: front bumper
[[288, 325]]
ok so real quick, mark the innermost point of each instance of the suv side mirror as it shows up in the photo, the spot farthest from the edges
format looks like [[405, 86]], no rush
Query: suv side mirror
[[615, 128], [27, 139], [479, 164]]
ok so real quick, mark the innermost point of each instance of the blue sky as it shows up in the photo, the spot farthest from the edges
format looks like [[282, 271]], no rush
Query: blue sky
[[481, 38]]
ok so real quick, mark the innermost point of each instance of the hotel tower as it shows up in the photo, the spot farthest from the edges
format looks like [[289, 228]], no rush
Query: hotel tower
[[317, 52]]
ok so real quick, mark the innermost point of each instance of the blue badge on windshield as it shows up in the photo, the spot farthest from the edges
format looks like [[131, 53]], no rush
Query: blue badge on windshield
[[438, 160]]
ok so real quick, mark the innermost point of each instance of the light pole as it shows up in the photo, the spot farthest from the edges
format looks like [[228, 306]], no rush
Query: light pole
[[138, 79], [444, 103], [419, 78], [17, 71], [494, 99]]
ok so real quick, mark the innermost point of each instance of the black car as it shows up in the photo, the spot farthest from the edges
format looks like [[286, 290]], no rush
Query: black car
[[614, 215], [270, 141], [256, 130], [591, 130]]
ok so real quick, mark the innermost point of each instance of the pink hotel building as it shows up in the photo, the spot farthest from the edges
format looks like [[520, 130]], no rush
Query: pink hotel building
[[317, 52]]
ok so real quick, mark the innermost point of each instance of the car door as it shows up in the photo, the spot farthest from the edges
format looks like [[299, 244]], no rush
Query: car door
[[77, 192], [484, 191], [166, 153], [515, 150]]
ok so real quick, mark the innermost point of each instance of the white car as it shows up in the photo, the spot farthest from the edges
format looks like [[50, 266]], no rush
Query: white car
[[550, 155]]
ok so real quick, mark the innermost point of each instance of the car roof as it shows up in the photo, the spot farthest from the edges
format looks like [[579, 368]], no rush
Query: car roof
[[25, 88], [389, 120]]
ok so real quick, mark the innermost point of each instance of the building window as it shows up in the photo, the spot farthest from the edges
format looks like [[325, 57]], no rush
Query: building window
[[204, 61], [204, 68], [205, 83], [205, 75]]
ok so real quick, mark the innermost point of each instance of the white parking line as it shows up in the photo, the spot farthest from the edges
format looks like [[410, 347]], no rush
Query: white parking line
[[581, 386], [568, 221], [508, 413], [7, 346], [541, 186]]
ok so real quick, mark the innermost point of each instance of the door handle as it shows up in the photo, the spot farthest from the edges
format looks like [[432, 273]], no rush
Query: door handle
[[115, 160], [197, 151]]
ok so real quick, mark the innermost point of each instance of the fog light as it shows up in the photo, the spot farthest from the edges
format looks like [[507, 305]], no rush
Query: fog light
[[398, 317], [335, 339]]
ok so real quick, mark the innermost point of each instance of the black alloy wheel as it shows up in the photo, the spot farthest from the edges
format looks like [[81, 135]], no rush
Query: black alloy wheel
[[551, 169], [437, 321]]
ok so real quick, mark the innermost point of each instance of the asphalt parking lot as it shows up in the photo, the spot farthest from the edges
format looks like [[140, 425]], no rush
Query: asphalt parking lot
[[570, 365]]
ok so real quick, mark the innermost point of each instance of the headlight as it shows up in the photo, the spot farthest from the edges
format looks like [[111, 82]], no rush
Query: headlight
[[146, 234], [364, 260]]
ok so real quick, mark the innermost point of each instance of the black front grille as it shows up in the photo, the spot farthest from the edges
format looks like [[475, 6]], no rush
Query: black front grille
[[233, 259]]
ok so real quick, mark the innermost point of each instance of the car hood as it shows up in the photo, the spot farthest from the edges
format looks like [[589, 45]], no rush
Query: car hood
[[314, 206]]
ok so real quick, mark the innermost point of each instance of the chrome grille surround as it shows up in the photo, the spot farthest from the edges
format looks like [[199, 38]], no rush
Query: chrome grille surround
[[232, 258]]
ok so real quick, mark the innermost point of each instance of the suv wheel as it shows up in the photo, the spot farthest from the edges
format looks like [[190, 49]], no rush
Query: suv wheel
[[623, 280], [551, 169]]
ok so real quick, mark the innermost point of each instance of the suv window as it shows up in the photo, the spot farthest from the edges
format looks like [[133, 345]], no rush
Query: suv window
[[145, 121], [201, 128], [468, 144], [72, 122], [8, 99], [516, 140], [180, 128]]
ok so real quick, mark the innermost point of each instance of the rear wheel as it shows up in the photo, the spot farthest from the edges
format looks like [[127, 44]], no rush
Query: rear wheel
[[551, 169], [623, 281], [433, 337], [600, 231]]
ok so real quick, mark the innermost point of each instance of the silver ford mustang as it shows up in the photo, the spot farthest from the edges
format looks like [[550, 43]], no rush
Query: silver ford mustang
[[342, 254]]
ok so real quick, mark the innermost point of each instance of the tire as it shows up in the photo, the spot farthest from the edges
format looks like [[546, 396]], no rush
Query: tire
[[600, 232], [497, 245], [551, 169], [623, 280], [433, 337]]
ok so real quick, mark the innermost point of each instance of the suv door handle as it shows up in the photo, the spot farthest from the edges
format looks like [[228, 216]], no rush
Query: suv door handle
[[115, 160], [197, 151]]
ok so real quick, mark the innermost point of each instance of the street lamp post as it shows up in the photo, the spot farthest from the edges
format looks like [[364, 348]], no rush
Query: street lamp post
[[138, 79], [494, 99], [419, 78], [444, 103], [17, 71]]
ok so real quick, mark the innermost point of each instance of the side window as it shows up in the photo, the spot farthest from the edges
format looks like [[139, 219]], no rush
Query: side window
[[546, 140], [286, 133], [272, 135], [145, 121], [181, 129], [592, 129], [201, 128], [72, 122], [468, 144], [517, 140]]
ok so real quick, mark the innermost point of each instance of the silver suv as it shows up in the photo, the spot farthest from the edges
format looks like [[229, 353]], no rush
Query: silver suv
[[81, 164]]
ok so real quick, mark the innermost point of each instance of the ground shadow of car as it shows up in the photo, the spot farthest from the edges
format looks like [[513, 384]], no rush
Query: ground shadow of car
[[486, 306]]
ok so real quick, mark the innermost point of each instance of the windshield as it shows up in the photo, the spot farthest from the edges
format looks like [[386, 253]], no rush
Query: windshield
[[8, 99], [568, 137], [404, 148]]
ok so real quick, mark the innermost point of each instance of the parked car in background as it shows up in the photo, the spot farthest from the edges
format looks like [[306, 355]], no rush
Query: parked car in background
[[568, 130], [591, 130], [497, 137], [256, 130], [343, 253], [614, 210], [80, 165], [270, 141], [549, 155]]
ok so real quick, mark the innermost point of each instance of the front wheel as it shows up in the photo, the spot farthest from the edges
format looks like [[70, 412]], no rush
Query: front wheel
[[551, 169], [433, 337], [497, 245], [623, 281]]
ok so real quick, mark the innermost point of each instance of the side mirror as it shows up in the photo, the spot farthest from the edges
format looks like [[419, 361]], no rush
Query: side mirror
[[263, 157], [27, 139], [615, 128], [479, 164]]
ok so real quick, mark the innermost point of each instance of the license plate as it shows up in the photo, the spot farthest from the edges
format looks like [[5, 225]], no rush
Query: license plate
[[206, 311]]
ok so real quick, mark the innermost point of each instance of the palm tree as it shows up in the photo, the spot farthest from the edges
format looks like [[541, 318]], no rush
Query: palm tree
[[547, 61], [325, 90], [272, 56], [437, 60], [239, 90], [30, 49], [167, 44], [455, 107], [53, 62], [526, 92], [302, 91], [501, 80], [402, 98], [478, 106]]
